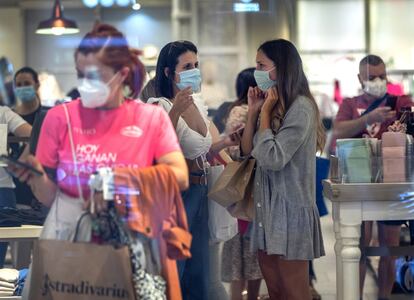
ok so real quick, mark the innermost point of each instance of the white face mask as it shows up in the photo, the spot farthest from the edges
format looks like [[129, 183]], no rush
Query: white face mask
[[94, 92], [376, 88]]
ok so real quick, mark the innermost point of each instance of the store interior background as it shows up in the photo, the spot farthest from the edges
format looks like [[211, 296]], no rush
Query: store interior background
[[331, 35]]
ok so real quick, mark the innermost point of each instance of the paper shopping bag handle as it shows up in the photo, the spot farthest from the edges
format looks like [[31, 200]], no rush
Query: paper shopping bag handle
[[75, 237]]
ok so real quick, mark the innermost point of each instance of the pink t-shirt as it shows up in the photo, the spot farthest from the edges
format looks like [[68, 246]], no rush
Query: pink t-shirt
[[132, 135]]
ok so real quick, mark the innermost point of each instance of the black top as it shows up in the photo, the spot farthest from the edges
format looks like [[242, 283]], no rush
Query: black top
[[30, 118], [23, 192], [37, 124]]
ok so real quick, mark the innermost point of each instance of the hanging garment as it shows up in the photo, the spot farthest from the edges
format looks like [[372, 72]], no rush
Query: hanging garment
[[150, 201]]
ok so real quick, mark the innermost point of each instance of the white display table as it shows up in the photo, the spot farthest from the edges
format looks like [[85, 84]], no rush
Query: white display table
[[25, 232], [352, 204], [22, 233]]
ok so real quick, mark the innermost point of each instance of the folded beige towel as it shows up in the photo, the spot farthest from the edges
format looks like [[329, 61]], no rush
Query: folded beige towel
[[9, 275], [5, 284]]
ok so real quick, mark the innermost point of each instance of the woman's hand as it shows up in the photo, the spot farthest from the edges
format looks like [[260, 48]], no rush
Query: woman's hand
[[25, 175], [234, 138], [182, 101], [271, 99], [42, 187], [255, 99]]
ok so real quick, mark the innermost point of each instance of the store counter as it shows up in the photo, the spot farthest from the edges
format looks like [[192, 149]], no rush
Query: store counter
[[21, 253], [353, 203], [24, 232]]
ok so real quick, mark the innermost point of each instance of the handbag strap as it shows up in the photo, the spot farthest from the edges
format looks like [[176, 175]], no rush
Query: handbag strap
[[72, 146], [374, 105], [78, 224]]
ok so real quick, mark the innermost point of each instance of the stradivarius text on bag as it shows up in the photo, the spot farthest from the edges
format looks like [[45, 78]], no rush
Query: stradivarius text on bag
[[82, 288]]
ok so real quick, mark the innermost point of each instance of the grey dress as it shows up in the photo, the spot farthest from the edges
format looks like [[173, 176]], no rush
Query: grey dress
[[287, 219]]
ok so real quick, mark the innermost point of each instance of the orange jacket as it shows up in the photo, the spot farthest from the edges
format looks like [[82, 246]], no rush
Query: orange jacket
[[151, 201]]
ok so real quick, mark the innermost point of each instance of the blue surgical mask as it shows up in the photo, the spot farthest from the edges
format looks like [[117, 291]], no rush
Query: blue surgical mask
[[263, 79], [190, 78], [25, 93]]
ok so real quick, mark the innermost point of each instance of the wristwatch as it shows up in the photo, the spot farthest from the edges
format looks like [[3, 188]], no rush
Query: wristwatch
[[103, 181]]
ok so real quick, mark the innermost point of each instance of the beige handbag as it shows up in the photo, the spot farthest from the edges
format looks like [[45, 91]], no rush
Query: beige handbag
[[233, 183]]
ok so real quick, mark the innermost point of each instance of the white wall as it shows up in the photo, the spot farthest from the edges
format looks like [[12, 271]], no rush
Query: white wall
[[331, 25], [392, 32], [12, 36], [331, 37]]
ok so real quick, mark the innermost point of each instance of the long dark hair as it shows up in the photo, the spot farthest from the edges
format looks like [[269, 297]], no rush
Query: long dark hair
[[291, 79], [168, 58], [245, 79]]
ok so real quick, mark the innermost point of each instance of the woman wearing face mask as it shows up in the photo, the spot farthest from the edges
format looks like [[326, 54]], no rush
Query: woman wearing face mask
[[177, 83], [26, 87], [110, 129], [283, 133]]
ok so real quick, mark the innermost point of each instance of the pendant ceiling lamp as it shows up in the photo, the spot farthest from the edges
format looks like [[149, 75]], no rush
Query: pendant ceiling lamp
[[57, 24]]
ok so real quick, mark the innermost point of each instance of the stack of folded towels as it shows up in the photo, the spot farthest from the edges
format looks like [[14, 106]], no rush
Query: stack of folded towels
[[8, 280], [12, 282]]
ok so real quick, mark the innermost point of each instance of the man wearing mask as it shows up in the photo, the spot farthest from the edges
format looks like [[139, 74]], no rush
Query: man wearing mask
[[369, 115]]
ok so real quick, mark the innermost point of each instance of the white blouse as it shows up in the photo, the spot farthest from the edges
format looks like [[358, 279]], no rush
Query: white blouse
[[193, 144]]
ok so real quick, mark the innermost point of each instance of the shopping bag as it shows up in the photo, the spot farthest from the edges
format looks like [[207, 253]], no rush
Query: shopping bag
[[233, 183], [244, 209], [221, 224], [66, 270]]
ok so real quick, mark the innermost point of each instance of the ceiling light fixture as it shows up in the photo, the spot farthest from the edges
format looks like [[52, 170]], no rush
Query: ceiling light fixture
[[57, 24], [107, 3], [90, 3], [123, 3], [136, 5]]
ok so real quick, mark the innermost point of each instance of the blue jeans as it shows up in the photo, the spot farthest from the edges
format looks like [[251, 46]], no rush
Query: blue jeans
[[194, 272], [7, 199]]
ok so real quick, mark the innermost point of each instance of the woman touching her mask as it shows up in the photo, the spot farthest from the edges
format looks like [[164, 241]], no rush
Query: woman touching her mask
[[177, 82], [283, 133]]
